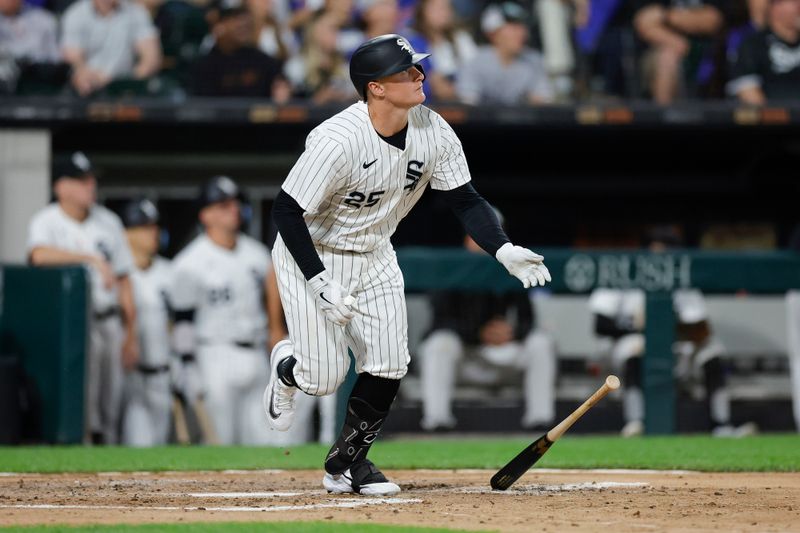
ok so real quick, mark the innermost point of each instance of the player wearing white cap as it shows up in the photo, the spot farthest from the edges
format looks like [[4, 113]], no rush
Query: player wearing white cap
[[362, 171], [75, 230]]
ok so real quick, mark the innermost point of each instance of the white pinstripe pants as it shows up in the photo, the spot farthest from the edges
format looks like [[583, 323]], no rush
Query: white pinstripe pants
[[377, 335]]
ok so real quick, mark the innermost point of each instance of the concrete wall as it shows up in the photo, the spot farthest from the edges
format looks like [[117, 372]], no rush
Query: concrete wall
[[24, 187]]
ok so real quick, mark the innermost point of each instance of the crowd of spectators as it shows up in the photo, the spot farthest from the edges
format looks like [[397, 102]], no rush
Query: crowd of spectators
[[502, 51]]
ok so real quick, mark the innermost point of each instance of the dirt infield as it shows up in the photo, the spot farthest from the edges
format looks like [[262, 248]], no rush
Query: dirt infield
[[541, 500]]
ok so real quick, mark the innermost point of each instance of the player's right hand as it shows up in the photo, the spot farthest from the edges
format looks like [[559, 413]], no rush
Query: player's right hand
[[332, 298], [106, 272]]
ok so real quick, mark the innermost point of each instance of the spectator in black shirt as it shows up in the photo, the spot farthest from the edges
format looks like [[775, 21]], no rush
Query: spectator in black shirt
[[485, 338], [767, 65], [667, 26], [234, 66]]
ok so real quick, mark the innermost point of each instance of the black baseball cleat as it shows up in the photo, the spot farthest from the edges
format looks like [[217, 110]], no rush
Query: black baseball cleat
[[362, 477]]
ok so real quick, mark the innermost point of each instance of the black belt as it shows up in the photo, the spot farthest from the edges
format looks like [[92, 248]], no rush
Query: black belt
[[108, 313], [240, 344], [150, 370], [248, 345]]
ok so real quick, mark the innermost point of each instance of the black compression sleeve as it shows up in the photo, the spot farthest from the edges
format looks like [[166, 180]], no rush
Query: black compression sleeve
[[477, 217], [288, 216]]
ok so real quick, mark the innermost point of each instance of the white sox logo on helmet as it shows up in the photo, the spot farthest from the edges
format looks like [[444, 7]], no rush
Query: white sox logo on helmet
[[402, 43]]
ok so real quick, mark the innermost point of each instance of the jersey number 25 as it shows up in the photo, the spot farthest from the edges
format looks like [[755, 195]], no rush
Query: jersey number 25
[[356, 199]]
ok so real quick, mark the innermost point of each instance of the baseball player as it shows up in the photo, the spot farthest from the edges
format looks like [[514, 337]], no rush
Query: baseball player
[[793, 343], [361, 172], [219, 292], [75, 230], [146, 417]]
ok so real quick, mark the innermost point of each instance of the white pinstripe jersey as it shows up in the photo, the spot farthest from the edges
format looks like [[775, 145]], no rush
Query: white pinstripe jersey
[[355, 187], [224, 287], [151, 292]]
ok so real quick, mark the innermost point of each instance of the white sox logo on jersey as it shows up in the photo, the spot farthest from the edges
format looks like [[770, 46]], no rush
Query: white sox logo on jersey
[[413, 174]]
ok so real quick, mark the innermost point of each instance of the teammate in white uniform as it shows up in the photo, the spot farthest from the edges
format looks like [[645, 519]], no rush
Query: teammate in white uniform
[[74, 230], [793, 330], [219, 296], [362, 171], [146, 417]]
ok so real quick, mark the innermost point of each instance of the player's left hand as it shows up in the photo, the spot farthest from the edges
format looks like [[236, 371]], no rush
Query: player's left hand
[[523, 264], [130, 352], [332, 298]]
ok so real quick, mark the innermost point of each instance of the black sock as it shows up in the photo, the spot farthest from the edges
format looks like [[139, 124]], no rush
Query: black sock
[[366, 411], [286, 371], [377, 392]]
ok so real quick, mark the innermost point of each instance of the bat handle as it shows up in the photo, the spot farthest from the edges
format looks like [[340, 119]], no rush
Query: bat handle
[[611, 383]]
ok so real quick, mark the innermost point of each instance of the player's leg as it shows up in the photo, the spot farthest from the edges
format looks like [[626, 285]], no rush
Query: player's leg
[[216, 374], [378, 335], [93, 380], [793, 345], [538, 361], [112, 378], [159, 405], [439, 357], [626, 354], [314, 357], [328, 408], [137, 427]]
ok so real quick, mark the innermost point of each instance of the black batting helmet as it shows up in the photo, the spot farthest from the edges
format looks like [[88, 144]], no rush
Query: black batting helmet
[[382, 56], [218, 189], [139, 212]]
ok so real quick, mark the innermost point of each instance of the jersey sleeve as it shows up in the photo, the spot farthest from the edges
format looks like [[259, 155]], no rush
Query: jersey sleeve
[[122, 260], [185, 287], [313, 178], [72, 28], [39, 233], [450, 170]]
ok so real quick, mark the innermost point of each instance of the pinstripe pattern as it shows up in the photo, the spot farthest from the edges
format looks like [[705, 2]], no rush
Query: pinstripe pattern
[[351, 212], [331, 168], [377, 335]]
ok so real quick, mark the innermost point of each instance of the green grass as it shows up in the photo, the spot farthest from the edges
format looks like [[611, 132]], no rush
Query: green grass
[[230, 527], [756, 454]]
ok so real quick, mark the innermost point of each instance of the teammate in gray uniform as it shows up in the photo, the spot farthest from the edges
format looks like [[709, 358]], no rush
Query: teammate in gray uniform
[[361, 172], [75, 230], [146, 417], [219, 295]]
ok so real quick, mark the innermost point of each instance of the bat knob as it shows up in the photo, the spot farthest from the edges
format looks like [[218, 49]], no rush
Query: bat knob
[[612, 382]]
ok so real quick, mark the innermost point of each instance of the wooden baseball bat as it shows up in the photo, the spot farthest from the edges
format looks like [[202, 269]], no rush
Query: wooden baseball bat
[[506, 476], [179, 419], [205, 422]]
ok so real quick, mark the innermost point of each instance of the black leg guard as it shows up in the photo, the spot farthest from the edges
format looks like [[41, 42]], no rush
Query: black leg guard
[[369, 404], [361, 427]]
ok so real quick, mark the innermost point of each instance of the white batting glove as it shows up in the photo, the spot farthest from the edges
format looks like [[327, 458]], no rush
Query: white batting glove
[[523, 264], [332, 298]]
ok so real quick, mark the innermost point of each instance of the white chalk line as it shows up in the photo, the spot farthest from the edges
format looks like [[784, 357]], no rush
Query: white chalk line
[[331, 504], [541, 489], [234, 495], [620, 471], [602, 471]]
